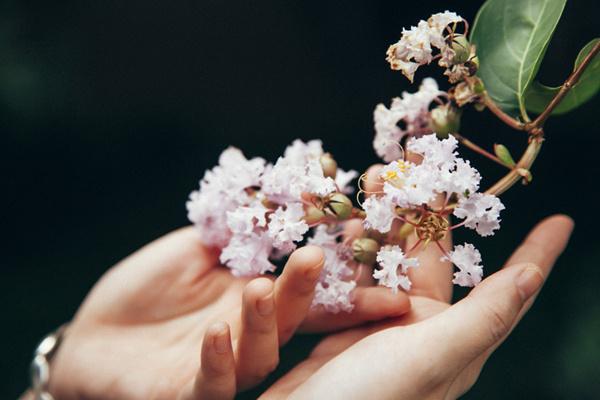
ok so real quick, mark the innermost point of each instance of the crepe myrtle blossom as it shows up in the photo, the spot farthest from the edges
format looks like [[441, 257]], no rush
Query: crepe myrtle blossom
[[467, 259], [257, 212], [334, 288], [433, 39], [408, 115], [223, 189], [407, 193], [394, 266], [286, 226]]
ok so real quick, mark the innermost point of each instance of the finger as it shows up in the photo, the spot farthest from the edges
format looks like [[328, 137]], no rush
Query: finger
[[353, 229], [216, 377], [483, 319], [257, 352], [545, 242], [433, 277], [542, 247], [370, 304], [294, 289]]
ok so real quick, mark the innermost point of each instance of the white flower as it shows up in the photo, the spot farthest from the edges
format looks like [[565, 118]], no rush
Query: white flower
[[413, 48], [336, 259], [315, 182], [343, 179], [334, 295], [394, 267], [461, 179], [248, 255], [467, 259], [412, 110], [286, 226], [481, 212], [437, 23], [380, 213], [415, 45], [416, 187], [387, 132], [298, 171], [332, 291], [223, 189], [283, 182], [299, 153], [243, 219], [436, 152]]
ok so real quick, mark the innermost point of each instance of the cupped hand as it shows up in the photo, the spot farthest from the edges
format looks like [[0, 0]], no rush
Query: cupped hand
[[437, 350], [169, 322]]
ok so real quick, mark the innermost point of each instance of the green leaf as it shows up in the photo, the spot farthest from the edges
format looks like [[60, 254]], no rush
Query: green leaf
[[511, 38], [538, 95]]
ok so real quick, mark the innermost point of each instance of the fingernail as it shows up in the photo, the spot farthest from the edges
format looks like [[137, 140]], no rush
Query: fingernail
[[529, 281], [221, 338], [265, 305]]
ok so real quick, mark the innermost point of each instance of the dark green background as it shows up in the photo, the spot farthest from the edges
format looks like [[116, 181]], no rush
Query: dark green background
[[110, 111]]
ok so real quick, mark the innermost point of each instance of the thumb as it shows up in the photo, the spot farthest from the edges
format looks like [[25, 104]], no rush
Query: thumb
[[484, 318]]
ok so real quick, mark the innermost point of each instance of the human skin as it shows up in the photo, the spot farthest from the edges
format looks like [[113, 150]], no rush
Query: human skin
[[169, 322], [437, 350]]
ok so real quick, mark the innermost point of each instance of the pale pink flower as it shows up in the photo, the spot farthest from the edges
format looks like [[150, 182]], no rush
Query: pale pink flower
[[286, 226], [248, 255], [467, 259], [481, 212], [380, 213], [394, 267]]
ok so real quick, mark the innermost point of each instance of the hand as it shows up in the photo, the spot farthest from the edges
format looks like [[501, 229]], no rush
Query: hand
[[139, 332], [436, 351]]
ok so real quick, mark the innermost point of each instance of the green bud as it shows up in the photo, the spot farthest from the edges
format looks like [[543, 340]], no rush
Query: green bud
[[504, 155], [339, 206], [329, 166], [365, 250], [462, 49], [445, 119], [313, 215]]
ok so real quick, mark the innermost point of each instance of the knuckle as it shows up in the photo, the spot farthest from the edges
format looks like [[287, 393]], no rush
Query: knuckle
[[497, 321], [264, 370]]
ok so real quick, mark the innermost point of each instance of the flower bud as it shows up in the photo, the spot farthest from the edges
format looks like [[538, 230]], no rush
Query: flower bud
[[445, 119], [365, 250], [462, 49], [313, 215], [405, 230], [339, 206], [329, 165]]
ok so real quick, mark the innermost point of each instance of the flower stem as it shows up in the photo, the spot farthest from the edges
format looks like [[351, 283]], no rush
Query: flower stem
[[478, 149], [564, 89], [504, 117]]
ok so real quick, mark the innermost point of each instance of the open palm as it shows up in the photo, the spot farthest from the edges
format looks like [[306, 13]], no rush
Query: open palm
[[437, 350], [140, 332]]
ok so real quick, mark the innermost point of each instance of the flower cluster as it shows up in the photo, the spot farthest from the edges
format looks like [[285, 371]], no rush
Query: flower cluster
[[417, 45], [407, 192], [408, 115], [258, 212]]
